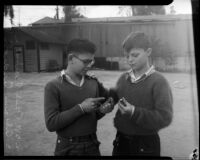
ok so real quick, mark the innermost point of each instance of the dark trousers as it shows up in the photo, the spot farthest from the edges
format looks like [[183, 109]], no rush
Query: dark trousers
[[77, 146], [137, 145]]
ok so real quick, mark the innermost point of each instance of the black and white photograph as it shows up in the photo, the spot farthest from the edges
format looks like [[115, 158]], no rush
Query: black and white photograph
[[100, 80]]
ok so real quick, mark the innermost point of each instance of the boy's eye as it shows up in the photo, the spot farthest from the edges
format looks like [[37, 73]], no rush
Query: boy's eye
[[134, 55]]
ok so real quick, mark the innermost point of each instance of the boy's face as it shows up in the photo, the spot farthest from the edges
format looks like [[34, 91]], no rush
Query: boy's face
[[82, 62], [137, 57]]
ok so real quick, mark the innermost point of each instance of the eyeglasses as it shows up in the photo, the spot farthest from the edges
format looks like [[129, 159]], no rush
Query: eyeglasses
[[85, 61]]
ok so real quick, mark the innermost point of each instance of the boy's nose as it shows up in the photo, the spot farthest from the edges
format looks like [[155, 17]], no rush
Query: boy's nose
[[130, 60], [89, 65]]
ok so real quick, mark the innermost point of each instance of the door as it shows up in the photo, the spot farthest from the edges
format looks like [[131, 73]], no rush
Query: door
[[18, 52], [65, 61]]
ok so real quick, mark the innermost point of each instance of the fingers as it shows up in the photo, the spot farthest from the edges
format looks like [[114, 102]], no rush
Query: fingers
[[98, 99], [124, 102], [106, 108], [120, 108], [112, 101], [120, 105], [92, 104]]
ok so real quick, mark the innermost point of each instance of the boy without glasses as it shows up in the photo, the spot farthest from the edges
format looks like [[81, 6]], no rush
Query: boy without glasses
[[145, 104], [71, 103]]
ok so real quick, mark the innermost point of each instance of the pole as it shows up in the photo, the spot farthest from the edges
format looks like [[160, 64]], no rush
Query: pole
[[57, 12]]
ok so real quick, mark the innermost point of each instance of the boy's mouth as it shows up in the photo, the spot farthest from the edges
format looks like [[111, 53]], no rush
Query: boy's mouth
[[85, 70], [132, 64]]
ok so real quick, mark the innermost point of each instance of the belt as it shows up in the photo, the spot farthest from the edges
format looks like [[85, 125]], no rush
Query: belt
[[79, 138], [119, 134], [133, 137]]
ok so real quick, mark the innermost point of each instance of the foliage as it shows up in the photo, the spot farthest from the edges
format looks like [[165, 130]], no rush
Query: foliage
[[148, 10], [125, 10], [142, 10], [8, 11], [163, 50], [71, 12]]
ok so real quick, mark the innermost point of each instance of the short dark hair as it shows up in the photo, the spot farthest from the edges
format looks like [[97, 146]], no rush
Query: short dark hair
[[81, 46], [136, 40]]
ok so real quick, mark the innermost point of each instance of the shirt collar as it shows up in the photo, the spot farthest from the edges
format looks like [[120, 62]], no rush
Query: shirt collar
[[70, 80], [143, 76]]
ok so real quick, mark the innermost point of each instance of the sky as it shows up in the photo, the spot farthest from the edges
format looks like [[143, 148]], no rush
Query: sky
[[27, 14]]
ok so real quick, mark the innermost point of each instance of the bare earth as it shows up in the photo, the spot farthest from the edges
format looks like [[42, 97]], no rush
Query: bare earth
[[25, 133]]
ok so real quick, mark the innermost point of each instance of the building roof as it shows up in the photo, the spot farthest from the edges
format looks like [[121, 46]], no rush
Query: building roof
[[135, 18], [47, 20], [40, 35], [146, 18]]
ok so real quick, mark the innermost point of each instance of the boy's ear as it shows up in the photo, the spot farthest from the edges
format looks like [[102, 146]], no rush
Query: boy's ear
[[149, 50]]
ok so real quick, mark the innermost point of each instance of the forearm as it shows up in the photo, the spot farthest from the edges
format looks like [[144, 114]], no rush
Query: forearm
[[152, 119], [161, 113], [56, 120]]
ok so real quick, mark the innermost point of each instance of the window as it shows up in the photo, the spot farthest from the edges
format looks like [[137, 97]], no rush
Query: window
[[30, 45], [44, 46]]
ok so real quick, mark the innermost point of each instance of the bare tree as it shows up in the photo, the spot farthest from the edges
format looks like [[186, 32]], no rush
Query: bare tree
[[8, 11], [143, 10], [172, 10], [125, 11]]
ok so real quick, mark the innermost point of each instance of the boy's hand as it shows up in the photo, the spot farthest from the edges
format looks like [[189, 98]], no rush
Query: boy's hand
[[124, 107], [107, 106], [91, 104]]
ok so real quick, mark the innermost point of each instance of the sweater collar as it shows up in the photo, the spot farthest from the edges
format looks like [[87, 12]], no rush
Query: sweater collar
[[130, 74], [70, 80]]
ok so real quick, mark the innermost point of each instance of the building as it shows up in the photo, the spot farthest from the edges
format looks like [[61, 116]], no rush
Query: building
[[29, 50], [171, 35], [47, 21]]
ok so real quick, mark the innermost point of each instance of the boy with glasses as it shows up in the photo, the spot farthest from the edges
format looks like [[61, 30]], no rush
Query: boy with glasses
[[72, 103], [145, 102]]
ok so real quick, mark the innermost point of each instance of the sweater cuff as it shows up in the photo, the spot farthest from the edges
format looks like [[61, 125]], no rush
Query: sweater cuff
[[81, 108], [132, 111], [135, 114]]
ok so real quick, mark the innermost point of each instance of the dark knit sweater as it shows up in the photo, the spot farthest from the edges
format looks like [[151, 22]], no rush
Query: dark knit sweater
[[61, 109], [152, 98]]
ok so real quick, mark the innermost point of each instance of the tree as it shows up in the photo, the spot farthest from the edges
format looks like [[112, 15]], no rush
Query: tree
[[144, 10], [172, 10], [57, 13], [71, 12], [8, 11], [125, 11], [163, 50]]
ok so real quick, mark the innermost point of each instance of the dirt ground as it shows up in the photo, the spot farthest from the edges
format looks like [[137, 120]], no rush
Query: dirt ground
[[25, 133]]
